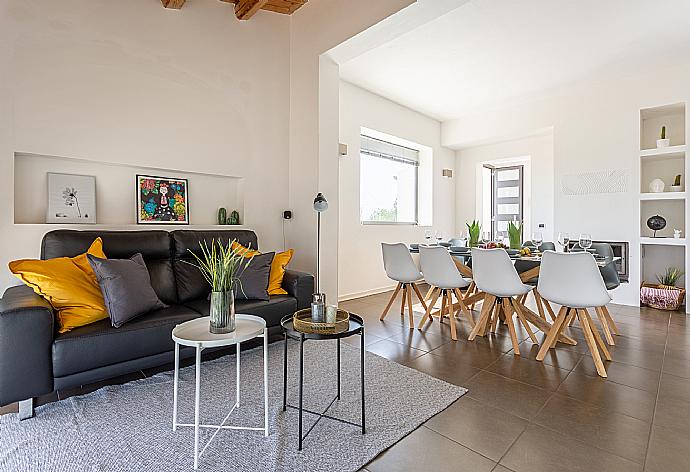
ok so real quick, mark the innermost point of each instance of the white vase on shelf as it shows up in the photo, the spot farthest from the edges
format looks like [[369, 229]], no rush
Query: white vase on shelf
[[662, 143], [656, 186]]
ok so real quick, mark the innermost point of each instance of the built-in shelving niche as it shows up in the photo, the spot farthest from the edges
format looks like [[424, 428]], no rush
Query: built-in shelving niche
[[657, 258], [658, 254], [652, 119], [673, 212], [116, 190]]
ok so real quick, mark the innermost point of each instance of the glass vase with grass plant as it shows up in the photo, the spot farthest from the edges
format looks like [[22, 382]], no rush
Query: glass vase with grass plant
[[474, 229], [221, 266], [669, 278], [515, 234]]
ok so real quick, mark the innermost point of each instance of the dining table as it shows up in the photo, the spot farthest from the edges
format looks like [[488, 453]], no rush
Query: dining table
[[463, 255]]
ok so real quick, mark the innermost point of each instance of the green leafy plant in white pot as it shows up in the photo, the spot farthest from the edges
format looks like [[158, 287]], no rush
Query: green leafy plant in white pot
[[221, 267], [473, 231], [515, 234], [663, 141]]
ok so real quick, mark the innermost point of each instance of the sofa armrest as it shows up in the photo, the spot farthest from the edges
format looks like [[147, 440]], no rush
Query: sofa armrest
[[299, 285], [26, 341]]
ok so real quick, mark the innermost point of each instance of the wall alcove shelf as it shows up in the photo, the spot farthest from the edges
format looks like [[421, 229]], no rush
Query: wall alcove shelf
[[658, 162], [116, 192]]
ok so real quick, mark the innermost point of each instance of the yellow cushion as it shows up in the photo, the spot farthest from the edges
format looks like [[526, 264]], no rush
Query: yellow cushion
[[69, 284], [278, 265]]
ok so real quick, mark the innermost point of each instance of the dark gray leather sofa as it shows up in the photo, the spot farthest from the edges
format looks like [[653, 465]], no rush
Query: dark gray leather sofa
[[36, 360]]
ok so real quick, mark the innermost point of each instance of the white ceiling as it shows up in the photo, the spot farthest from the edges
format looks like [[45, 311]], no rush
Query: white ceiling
[[489, 51]]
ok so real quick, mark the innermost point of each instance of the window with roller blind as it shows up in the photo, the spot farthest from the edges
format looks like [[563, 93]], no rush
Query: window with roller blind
[[388, 182]]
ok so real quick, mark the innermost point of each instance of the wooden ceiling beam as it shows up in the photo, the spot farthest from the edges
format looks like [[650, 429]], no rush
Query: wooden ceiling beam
[[245, 9], [286, 7], [173, 4]]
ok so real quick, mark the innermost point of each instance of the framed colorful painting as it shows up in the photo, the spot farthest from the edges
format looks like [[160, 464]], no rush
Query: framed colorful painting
[[161, 200]]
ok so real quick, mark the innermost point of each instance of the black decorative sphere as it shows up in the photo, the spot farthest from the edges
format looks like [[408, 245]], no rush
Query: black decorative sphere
[[656, 223]]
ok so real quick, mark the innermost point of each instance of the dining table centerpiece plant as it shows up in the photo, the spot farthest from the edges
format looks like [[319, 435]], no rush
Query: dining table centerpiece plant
[[473, 231], [221, 266], [515, 234]]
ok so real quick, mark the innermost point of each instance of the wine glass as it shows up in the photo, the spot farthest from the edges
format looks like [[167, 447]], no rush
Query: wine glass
[[585, 241], [428, 234], [486, 236], [537, 239], [564, 240], [439, 237]]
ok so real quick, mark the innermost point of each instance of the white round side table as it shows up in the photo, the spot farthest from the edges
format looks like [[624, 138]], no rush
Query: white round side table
[[196, 334]]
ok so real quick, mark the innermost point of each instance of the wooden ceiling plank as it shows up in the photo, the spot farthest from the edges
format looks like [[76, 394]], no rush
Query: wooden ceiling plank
[[173, 4], [245, 9]]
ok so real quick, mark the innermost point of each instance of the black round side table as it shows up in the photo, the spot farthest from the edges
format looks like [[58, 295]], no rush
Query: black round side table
[[356, 327]]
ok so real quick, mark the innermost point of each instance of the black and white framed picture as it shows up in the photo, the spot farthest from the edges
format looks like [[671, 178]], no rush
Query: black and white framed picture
[[71, 198]]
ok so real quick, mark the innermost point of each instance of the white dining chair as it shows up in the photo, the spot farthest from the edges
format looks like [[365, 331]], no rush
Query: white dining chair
[[610, 275], [573, 281], [400, 267], [494, 274], [441, 273]]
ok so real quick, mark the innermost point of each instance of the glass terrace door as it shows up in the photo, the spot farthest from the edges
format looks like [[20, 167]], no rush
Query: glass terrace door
[[506, 198]]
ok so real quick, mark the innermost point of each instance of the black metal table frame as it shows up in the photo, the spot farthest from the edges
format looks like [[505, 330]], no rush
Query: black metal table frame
[[302, 337]]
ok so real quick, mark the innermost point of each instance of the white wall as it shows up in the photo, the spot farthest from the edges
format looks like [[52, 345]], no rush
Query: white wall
[[539, 200], [360, 266], [595, 127], [132, 83], [316, 28]]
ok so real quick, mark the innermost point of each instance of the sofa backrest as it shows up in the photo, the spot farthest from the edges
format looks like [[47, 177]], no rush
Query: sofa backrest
[[190, 283], [164, 252], [153, 245]]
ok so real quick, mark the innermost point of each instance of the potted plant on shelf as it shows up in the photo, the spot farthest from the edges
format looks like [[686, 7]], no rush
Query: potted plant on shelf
[[663, 141], [664, 295], [677, 187], [221, 267], [515, 234], [473, 231]]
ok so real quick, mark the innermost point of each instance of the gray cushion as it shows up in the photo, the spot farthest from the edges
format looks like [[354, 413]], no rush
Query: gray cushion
[[126, 287], [253, 280]]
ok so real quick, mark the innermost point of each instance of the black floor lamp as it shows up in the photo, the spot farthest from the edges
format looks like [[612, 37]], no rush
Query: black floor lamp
[[318, 304]]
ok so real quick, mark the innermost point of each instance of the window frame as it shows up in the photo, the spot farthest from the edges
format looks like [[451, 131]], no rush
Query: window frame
[[494, 197], [402, 160]]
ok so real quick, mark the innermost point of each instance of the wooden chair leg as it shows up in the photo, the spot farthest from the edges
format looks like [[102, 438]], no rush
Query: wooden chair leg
[[571, 317], [552, 335], [409, 307], [592, 344], [508, 310], [496, 318], [427, 314], [443, 306], [429, 292], [605, 326], [451, 318], [523, 320], [403, 300], [470, 290], [488, 303], [463, 308], [540, 305], [549, 309], [612, 324], [419, 295], [490, 322], [390, 302], [597, 337]]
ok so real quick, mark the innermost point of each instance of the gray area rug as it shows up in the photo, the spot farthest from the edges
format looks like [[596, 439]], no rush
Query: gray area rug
[[128, 427]]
